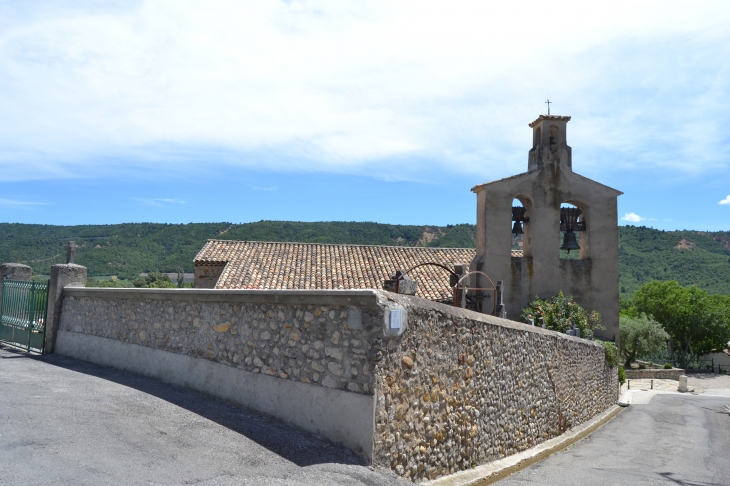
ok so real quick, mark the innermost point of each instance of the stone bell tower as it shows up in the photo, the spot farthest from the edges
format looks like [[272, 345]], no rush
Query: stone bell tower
[[550, 182]]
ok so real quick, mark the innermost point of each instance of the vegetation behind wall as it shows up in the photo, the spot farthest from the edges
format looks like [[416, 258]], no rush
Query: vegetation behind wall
[[126, 250]]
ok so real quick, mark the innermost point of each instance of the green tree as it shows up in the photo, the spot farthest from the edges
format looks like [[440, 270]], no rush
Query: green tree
[[695, 321], [626, 307], [640, 336], [155, 280], [560, 313], [110, 283]]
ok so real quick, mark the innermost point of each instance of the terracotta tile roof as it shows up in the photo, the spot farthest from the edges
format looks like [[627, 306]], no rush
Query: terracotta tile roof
[[269, 265]]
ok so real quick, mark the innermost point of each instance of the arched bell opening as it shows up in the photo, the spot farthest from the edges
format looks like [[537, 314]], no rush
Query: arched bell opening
[[573, 241], [521, 230]]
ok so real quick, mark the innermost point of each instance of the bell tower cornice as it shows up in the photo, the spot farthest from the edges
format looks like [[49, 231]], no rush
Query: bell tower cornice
[[549, 143], [549, 117]]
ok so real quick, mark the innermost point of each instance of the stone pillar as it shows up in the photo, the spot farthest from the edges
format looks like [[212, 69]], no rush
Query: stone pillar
[[64, 275], [14, 271], [682, 384]]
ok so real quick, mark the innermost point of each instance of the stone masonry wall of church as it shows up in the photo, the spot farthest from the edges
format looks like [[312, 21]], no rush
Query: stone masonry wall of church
[[454, 392], [307, 343]]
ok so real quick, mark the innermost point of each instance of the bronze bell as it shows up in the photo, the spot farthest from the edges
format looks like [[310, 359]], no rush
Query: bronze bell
[[517, 228], [569, 242]]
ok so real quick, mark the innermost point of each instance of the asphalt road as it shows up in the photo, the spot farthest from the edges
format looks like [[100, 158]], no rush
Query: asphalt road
[[63, 421], [674, 439]]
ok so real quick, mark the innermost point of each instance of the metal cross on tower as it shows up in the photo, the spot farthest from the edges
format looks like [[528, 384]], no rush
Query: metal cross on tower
[[548, 103]]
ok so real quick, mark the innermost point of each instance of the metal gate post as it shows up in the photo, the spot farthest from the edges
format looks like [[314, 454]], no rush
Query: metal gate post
[[31, 313]]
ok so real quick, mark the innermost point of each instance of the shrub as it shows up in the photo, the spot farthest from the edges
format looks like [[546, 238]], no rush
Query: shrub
[[560, 313], [611, 353], [667, 366], [114, 283], [621, 375], [154, 280]]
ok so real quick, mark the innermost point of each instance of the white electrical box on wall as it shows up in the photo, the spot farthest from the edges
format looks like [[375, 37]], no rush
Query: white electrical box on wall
[[396, 318]]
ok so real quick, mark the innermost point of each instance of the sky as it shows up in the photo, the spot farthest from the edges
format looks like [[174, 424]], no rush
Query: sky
[[385, 111]]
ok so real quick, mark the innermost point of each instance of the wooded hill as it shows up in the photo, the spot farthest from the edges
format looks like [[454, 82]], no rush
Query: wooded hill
[[126, 250]]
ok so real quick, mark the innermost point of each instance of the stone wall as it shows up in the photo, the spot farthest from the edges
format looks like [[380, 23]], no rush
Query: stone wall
[[461, 389], [207, 274], [449, 390], [656, 374], [313, 343]]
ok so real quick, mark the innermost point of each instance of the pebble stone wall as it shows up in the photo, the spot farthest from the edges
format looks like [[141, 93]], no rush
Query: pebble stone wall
[[307, 343], [460, 389], [456, 389]]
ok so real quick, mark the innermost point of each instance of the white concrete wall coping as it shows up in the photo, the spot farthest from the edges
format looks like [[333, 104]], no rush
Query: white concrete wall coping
[[365, 298]]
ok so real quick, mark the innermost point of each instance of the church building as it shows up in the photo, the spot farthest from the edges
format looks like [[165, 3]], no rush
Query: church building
[[568, 225], [559, 214]]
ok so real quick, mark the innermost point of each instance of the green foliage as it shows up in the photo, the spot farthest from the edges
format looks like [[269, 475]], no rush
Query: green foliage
[[689, 257], [458, 236], [560, 313], [621, 375], [626, 307], [667, 366], [611, 352], [640, 336], [696, 321], [125, 250], [129, 249], [107, 283], [155, 280]]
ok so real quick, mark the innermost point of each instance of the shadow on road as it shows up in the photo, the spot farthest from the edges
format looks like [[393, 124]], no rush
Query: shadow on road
[[293, 444], [685, 482]]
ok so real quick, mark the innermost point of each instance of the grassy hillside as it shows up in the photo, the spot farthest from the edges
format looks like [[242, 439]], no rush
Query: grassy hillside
[[126, 250]]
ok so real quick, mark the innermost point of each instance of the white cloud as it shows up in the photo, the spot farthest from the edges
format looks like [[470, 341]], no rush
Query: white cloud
[[158, 202], [725, 201], [336, 86], [19, 204], [633, 218], [263, 188]]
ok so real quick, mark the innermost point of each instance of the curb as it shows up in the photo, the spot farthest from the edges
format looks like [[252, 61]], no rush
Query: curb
[[494, 471]]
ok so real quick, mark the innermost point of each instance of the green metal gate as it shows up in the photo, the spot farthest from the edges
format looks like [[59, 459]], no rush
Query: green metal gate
[[23, 314]]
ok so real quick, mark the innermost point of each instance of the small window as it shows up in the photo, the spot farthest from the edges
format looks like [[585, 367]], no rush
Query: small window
[[554, 138]]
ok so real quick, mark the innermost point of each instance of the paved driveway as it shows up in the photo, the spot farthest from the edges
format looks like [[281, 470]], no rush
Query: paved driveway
[[63, 421], [661, 439]]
